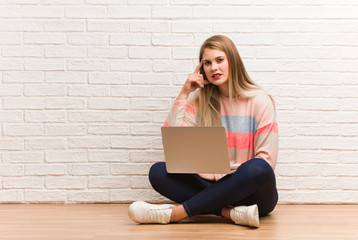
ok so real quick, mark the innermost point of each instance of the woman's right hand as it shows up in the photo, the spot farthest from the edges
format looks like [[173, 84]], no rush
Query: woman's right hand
[[193, 82]]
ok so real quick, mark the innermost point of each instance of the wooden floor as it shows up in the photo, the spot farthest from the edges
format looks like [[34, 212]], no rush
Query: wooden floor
[[110, 221]]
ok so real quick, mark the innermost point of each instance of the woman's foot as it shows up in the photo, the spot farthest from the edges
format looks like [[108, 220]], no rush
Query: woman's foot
[[142, 212], [246, 215]]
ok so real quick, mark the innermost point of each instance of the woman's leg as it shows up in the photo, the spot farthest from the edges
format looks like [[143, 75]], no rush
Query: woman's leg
[[176, 187], [253, 183]]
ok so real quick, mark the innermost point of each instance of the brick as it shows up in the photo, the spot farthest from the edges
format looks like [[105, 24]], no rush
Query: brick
[[41, 11], [88, 196], [129, 12], [185, 53], [131, 116], [234, 26], [130, 195], [23, 183], [25, 25], [131, 142], [65, 52], [46, 64], [11, 90], [322, 104], [88, 142], [149, 53], [23, 103], [105, 2], [109, 182], [11, 116], [88, 116], [108, 156], [45, 169], [23, 157], [44, 144], [189, 27], [45, 116], [131, 65], [44, 38], [11, 64], [276, 52], [109, 78], [147, 2], [145, 129], [45, 196], [108, 129], [172, 66], [23, 129], [23, 51], [88, 39], [64, 25], [109, 103], [157, 143], [88, 91], [11, 170], [154, 26], [66, 77], [11, 196], [151, 78], [10, 38], [69, 183], [171, 12], [130, 168], [86, 12], [166, 92], [140, 182], [108, 52], [130, 91], [65, 129], [108, 26], [88, 169], [64, 103], [138, 39], [44, 90], [172, 39], [88, 65], [149, 104], [66, 156]]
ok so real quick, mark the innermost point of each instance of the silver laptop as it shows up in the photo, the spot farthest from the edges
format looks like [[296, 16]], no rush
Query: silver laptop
[[196, 150]]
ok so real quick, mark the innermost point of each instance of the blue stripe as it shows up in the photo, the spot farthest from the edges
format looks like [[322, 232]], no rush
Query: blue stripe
[[239, 124]]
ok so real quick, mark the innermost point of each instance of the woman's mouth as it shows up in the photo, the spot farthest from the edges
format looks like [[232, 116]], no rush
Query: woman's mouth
[[216, 76]]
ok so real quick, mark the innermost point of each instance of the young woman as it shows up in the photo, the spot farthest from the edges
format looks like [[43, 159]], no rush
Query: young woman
[[224, 96]]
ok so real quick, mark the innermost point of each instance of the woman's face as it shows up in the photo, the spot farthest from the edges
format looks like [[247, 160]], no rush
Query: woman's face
[[216, 66]]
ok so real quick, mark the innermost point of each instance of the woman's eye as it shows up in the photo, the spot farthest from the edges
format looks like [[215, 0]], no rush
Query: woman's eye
[[220, 60], [207, 63]]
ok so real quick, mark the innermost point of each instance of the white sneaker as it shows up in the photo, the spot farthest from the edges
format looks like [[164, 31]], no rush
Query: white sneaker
[[246, 215], [142, 212]]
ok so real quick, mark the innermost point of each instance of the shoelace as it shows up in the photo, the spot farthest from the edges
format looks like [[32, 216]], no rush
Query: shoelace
[[155, 214], [241, 215]]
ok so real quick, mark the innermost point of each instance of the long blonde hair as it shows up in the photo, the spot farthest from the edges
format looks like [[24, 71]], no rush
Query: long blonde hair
[[240, 84]]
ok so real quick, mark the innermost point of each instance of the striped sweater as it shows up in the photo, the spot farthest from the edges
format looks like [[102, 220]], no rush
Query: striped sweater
[[251, 128]]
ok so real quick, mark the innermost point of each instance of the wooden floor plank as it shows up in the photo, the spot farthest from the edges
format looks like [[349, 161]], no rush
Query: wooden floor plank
[[110, 221]]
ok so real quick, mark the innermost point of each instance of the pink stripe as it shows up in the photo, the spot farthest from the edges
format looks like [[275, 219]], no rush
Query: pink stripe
[[272, 127], [190, 109], [240, 140], [166, 124]]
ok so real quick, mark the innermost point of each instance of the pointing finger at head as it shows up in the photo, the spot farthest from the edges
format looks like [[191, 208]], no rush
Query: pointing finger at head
[[197, 69]]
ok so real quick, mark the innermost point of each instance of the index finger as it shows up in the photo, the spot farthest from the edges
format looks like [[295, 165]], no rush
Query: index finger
[[197, 69]]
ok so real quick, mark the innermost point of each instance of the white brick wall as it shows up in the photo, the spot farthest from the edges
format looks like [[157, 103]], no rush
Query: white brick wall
[[86, 85]]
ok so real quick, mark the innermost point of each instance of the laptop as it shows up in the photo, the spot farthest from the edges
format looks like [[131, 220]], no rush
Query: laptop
[[196, 150]]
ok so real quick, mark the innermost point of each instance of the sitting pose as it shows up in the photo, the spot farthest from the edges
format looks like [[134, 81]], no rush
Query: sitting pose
[[223, 95]]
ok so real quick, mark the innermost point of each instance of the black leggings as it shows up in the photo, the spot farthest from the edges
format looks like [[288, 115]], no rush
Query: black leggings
[[252, 183]]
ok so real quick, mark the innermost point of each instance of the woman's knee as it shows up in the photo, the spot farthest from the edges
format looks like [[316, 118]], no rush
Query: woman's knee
[[260, 170], [156, 171]]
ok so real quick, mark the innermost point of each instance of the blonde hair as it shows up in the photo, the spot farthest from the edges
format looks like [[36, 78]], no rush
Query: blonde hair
[[240, 84]]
